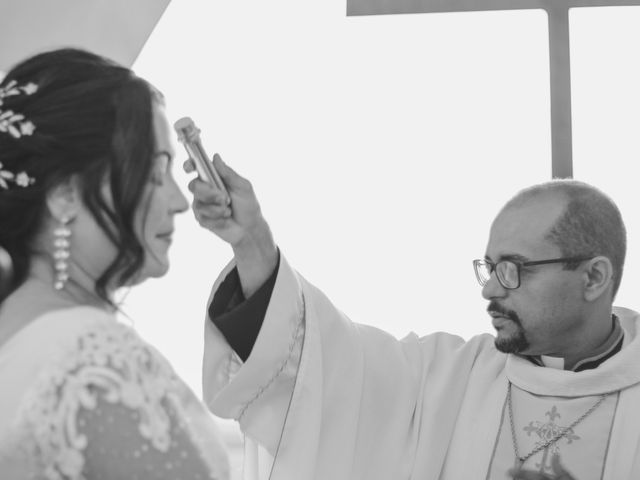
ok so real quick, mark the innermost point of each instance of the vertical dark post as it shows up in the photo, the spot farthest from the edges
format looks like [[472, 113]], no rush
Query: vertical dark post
[[559, 52], [560, 69]]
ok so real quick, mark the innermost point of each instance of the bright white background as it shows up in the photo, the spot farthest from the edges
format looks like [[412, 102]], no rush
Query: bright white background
[[606, 118], [381, 148]]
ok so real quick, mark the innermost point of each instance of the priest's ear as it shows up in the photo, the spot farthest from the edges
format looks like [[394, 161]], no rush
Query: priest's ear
[[597, 278], [64, 200]]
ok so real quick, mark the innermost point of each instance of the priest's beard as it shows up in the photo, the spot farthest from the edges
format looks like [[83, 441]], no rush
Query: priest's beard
[[516, 342]]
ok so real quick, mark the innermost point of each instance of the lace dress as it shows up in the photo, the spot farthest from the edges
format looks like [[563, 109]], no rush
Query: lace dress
[[83, 397]]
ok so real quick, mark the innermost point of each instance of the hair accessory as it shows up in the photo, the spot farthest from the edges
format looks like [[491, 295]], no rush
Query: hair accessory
[[61, 244], [15, 124], [20, 179]]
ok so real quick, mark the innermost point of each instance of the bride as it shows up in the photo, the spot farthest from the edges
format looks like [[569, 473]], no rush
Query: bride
[[87, 205]]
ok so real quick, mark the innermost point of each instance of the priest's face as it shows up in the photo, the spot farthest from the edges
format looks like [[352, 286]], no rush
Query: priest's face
[[542, 315]]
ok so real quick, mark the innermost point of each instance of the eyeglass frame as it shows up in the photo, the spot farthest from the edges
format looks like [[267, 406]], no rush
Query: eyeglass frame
[[519, 265]]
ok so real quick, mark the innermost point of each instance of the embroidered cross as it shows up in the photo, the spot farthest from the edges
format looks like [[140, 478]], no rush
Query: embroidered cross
[[558, 14], [546, 431]]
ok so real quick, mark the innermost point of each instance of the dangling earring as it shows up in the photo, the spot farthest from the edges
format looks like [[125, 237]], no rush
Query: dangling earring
[[61, 243]]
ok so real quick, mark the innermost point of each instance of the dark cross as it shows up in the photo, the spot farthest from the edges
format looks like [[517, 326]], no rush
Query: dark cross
[[558, 14]]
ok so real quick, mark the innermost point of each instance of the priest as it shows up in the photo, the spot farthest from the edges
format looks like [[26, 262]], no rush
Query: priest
[[553, 395]]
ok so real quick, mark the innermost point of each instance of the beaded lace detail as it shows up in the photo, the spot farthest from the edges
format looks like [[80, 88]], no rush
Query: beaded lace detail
[[110, 368]]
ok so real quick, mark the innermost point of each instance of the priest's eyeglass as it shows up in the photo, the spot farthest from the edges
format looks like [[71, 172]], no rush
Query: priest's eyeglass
[[508, 271]]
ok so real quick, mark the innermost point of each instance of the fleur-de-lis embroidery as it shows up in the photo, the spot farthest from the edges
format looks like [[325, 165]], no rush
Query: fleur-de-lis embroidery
[[546, 431]]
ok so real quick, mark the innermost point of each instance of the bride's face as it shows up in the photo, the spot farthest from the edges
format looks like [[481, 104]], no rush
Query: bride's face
[[154, 220], [91, 249]]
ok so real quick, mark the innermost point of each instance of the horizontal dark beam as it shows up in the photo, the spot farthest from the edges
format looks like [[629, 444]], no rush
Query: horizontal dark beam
[[385, 7]]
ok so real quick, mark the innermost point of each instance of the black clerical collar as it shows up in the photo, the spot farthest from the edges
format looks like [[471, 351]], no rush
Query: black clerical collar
[[607, 350]]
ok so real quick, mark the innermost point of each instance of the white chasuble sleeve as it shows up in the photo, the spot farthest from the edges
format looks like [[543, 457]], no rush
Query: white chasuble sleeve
[[332, 399]]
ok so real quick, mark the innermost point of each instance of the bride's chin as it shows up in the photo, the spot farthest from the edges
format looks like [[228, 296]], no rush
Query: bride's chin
[[156, 270]]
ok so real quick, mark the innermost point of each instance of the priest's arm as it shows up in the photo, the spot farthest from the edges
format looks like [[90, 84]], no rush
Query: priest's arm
[[327, 397]]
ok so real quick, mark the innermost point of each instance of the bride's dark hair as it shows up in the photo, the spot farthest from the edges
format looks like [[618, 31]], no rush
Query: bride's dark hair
[[93, 119]]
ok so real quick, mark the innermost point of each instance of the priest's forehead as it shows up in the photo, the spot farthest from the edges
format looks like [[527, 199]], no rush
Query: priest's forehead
[[521, 229]]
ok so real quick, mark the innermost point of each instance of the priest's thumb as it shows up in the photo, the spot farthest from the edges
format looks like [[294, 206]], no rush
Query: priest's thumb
[[228, 174]]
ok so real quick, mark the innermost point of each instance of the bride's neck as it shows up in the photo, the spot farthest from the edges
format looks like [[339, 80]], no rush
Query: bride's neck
[[78, 290], [37, 296]]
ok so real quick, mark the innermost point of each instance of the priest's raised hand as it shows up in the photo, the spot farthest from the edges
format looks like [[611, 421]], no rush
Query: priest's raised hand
[[236, 219]]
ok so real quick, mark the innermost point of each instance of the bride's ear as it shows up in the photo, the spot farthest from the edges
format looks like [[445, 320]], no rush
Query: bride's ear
[[64, 200]]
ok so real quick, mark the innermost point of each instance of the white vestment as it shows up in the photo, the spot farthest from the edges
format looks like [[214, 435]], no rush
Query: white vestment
[[331, 399], [83, 397]]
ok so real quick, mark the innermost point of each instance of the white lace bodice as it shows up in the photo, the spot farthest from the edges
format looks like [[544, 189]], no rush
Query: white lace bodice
[[99, 403]]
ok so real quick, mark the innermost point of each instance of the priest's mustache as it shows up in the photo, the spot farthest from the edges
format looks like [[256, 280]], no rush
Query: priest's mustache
[[494, 306]]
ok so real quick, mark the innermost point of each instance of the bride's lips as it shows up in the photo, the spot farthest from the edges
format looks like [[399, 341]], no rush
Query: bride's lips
[[167, 236]]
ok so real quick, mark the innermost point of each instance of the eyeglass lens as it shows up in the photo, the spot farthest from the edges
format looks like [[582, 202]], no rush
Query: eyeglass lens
[[506, 271]]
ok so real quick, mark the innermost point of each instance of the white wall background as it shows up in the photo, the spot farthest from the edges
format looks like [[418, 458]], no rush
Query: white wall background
[[116, 28], [381, 147], [606, 118]]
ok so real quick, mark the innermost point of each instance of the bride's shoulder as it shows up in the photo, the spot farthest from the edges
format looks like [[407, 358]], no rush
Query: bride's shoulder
[[56, 330], [58, 342], [85, 384], [49, 343], [64, 352]]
